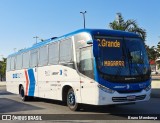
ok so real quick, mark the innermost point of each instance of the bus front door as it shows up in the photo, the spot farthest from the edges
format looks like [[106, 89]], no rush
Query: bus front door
[[86, 74]]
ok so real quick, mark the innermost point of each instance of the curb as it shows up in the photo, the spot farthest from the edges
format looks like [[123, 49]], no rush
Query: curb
[[155, 93]]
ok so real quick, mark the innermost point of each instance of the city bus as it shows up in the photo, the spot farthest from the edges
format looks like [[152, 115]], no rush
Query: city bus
[[87, 66]]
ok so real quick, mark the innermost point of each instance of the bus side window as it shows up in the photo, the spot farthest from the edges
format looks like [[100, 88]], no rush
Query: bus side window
[[43, 56], [34, 58], [53, 52], [66, 52], [19, 62], [8, 64], [12, 63], [25, 59]]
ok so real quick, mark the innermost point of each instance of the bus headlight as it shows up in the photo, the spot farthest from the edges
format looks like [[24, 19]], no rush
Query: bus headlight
[[148, 88], [105, 89]]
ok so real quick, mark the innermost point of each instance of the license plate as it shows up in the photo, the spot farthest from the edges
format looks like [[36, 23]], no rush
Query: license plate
[[132, 97]]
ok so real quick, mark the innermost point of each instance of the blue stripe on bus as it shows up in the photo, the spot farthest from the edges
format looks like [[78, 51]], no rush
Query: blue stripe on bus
[[32, 82], [124, 86]]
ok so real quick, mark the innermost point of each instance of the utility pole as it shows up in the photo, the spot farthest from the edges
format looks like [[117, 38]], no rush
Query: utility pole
[[36, 37], [83, 13]]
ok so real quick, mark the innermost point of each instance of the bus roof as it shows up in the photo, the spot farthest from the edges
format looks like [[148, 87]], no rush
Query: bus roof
[[106, 32]]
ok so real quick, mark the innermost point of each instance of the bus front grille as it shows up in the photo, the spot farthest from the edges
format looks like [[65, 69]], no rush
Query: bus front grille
[[125, 99], [129, 91]]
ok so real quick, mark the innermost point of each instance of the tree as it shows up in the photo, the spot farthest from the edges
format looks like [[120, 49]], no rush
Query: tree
[[129, 25], [2, 68], [152, 52], [158, 54], [158, 49]]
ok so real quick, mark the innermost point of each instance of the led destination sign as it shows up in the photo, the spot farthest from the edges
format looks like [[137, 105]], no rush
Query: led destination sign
[[114, 63], [105, 43], [114, 48]]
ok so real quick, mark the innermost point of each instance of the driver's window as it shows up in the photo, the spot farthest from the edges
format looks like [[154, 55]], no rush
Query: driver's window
[[86, 61]]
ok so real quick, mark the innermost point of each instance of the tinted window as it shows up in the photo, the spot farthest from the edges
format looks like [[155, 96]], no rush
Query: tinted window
[[86, 61], [81, 41], [12, 63], [53, 53], [25, 60], [43, 56], [19, 61], [66, 50], [34, 58]]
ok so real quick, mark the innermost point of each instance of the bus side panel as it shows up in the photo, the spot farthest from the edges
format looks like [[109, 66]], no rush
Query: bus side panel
[[14, 79], [71, 78], [52, 79], [46, 82], [24, 77], [89, 91]]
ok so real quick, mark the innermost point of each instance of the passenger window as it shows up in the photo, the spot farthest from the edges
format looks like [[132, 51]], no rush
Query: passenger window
[[25, 58], [34, 58], [19, 62], [43, 56], [66, 52], [53, 51], [12, 63]]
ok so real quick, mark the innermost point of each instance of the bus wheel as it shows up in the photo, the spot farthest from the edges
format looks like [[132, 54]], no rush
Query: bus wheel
[[22, 95], [71, 100]]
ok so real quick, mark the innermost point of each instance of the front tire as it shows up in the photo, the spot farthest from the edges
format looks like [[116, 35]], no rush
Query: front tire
[[71, 100], [22, 94]]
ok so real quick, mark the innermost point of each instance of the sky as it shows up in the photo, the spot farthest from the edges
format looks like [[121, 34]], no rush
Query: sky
[[21, 20]]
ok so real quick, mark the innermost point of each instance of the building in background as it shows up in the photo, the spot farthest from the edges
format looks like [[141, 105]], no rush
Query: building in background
[[158, 65], [153, 65]]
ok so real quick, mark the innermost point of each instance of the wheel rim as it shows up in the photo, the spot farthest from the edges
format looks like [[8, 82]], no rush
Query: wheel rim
[[71, 98]]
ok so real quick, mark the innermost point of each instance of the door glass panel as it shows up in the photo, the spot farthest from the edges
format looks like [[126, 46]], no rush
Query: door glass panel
[[86, 62]]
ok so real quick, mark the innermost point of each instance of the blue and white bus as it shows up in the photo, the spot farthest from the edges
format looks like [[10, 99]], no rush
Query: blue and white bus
[[88, 66]]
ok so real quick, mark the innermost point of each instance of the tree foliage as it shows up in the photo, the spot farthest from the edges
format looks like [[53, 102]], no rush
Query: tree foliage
[[152, 52], [2, 68], [158, 49], [129, 25]]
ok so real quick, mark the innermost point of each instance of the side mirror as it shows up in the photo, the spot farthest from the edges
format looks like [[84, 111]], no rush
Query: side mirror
[[95, 48], [90, 42]]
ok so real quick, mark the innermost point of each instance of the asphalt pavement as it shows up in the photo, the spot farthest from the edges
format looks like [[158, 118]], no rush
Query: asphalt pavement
[[12, 104]]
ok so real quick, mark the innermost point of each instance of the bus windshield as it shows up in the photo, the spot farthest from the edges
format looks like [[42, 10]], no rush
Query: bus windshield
[[122, 56]]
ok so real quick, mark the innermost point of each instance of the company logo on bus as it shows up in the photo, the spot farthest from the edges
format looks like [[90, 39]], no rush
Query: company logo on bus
[[128, 86], [49, 73], [17, 75]]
